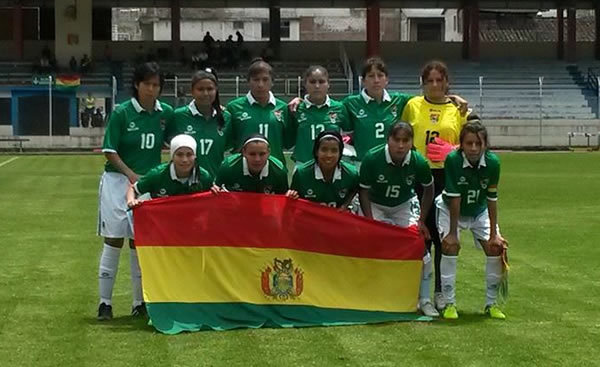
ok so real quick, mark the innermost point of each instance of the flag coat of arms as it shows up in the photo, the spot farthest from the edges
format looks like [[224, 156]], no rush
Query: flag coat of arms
[[238, 260]]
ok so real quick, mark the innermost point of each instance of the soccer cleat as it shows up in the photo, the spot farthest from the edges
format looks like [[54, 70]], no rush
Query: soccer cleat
[[450, 312], [139, 310], [427, 309], [439, 300], [104, 312], [494, 312]]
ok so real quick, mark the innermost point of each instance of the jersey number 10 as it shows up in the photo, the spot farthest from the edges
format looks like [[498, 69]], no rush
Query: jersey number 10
[[148, 141]]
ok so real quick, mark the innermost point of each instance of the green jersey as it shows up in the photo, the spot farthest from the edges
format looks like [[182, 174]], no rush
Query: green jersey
[[235, 176], [310, 184], [310, 120], [162, 181], [136, 135], [370, 120], [390, 184], [474, 185], [249, 117], [212, 141]]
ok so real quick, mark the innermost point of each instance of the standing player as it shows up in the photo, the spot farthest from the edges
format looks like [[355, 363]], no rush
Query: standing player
[[132, 145], [316, 113], [388, 176], [204, 120], [469, 202], [260, 112], [374, 109], [182, 175], [326, 179], [253, 170], [436, 122]]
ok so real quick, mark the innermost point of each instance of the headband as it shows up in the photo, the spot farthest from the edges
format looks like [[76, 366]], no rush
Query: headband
[[255, 140], [329, 136]]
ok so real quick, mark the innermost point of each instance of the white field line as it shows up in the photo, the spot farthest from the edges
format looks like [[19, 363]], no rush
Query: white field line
[[8, 161]]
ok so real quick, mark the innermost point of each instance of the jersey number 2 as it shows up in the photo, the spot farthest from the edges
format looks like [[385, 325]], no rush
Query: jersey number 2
[[379, 128]]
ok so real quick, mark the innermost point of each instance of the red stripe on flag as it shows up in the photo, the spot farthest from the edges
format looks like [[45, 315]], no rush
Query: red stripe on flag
[[270, 221]]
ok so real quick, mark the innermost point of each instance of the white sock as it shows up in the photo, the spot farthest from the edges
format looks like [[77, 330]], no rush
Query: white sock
[[136, 279], [448, 277], [426, 278], [493, 274], [107, 272]]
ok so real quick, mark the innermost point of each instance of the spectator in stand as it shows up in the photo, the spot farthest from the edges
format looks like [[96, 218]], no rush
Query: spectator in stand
[[73, 64], [85, 64], [240, 38]]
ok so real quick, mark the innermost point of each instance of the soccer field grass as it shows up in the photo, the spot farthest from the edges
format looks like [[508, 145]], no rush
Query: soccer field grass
[[549, 210]]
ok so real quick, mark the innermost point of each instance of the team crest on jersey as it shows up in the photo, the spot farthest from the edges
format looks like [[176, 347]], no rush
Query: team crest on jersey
[[245, 116], [484, 183], [310, 193], [132, 127], [381, 179], [220, 131], [163, 124], [342, 193], [282, 280], [361, 114], [410, 180], [394, 111], [333, 117], [268, 189], [462, 180], [434, 118], [236, 187], [278, 115]]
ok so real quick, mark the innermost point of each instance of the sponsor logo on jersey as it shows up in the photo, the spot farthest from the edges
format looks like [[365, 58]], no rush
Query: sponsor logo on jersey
[[484, 183], [361, 114], [310, 193], [462, 180], [302, 117], [162, 192], [410, 180], [268, 189], [333, 117], [278, 115], [245, 116], [282, 280], [381, 179], [236, 187], [132, 127], [189, 130]]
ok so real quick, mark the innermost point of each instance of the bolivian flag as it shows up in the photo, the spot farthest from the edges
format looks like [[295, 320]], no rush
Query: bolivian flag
[[238, 260], [68, 81]]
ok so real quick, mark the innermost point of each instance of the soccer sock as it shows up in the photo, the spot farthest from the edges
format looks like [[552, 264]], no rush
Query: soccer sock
[[107, 272], [136, 279], [493, 274], [448, 277], [425, 278]]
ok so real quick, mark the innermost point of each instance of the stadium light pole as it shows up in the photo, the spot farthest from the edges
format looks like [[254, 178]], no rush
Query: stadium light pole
[[541, 80], [598, 95], [114, 93], [481, 96]]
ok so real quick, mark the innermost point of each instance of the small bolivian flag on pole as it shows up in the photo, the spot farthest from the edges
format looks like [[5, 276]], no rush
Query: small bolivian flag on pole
[[242, 260], [68, 81]]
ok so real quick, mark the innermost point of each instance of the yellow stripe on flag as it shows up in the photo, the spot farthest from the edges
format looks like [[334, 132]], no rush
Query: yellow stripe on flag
[[235, 274]]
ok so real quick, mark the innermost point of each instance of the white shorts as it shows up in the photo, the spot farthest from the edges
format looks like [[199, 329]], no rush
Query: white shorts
[[479, 225], [403, 215], [112, 206]]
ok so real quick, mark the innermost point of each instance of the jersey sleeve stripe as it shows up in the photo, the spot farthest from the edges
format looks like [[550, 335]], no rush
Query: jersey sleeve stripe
[[429, 184], [136, 189], [365, 186], [492, 199], [451, 194], [108, 150]]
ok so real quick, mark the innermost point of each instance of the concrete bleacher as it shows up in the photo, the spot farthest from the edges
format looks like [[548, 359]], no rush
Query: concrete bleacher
[[510, 90]]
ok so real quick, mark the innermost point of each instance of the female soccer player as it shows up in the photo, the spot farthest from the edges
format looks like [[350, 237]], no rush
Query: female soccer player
[[260, 112], [204, 120], [436, 122], [388, 175], [316, 113], [254, 169], [326, 179], [132, 144], [182, 175], [469, 202]]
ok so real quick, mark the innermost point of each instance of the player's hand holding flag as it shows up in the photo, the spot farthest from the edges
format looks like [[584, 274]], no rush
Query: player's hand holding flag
[[438, 149]]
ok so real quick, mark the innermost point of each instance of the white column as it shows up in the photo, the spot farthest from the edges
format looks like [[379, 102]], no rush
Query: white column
[[73, 30]]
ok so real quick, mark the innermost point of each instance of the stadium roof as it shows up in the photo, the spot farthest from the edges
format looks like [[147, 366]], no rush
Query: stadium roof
[[488, 4]]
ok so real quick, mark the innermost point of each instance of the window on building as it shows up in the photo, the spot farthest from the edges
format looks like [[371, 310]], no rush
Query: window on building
[[238, 24], [285, 29]]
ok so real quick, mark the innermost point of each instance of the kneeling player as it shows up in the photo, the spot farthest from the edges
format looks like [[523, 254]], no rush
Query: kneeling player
[[388, 176], [182, 175], [326, 179], [469, 202], [254, 169]]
